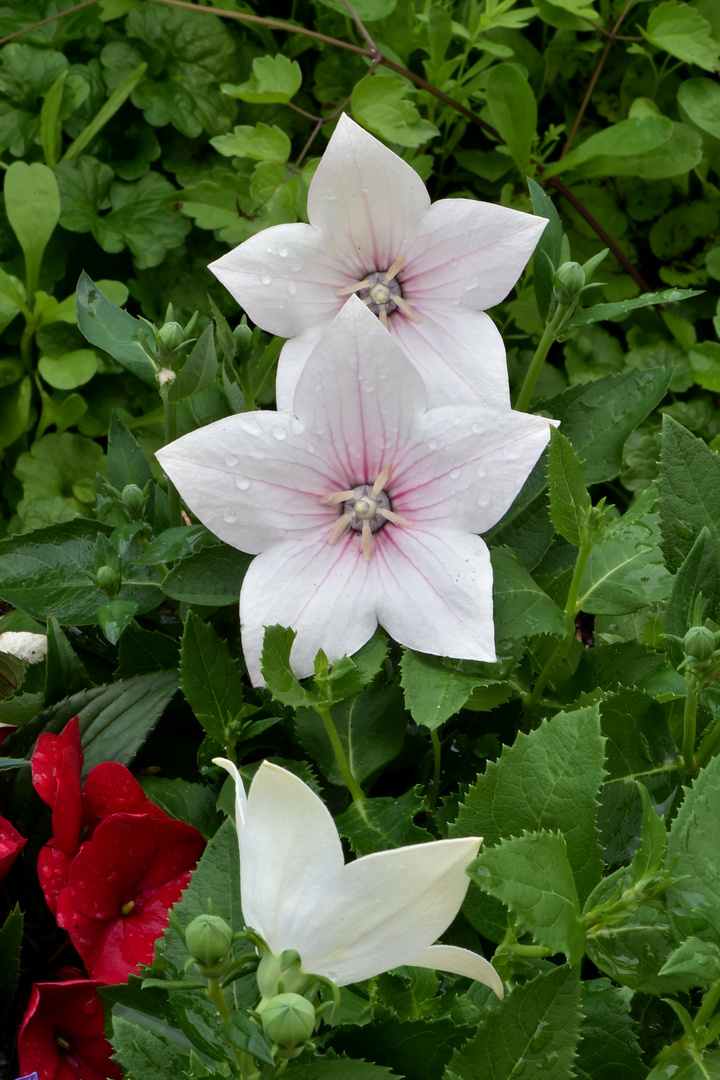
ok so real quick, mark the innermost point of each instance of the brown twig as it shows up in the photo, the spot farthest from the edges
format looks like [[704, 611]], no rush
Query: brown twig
[[597, 227], [612, 36], [50, 18]]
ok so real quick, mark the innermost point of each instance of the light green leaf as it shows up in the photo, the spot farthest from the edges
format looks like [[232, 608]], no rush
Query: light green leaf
[[276, 669], [70, 370], [32, 203], [653, 838], [674, 157], [193, 803], [522, 607], [261, 143], [15, 405], [700, 959], [199, 369], [380, 104], [700, 99], [631, 137], [513, 111], [436, 688], [385, 823], [367, 10], [702, 1065], [210, 678], [110, 328], [569, 499], [705, 363], [680, 30], [49, 127], [536, 1028], [600, 312], [274, 79], [693, 840], [625, 572]]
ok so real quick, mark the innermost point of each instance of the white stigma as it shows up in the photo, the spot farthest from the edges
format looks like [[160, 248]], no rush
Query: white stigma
[[366, 510]]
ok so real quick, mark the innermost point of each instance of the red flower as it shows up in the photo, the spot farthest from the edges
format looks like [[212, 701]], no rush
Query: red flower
[[120, 886], [110, 788], [61, 1035], [11, 844]]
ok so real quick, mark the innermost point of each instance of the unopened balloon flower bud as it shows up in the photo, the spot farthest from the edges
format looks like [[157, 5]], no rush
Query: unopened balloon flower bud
[[209, 939], [277, 973], [699, 643], [133, 499], [243, 337], [108, 580], [569, 282], [170, 337], [288, 1020]]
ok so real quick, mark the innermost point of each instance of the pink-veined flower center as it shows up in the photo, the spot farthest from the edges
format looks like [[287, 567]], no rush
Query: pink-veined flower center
[[382, 293], [366, 508]]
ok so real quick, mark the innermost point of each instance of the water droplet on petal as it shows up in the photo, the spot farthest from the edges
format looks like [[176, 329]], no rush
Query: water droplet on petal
[[46, 871], [269, 249], [478, 428], [455, 474], [252, 427], [283, 251], [281, 304], [457, 420], [483, 499], [280, 433], [291, 288], [296, 267], [242, 483], [266, 279], [454, 262], [433, 444], [231, 461], [89, 1007], [330, 195], [230, 516], [471, 283], [456, 301], [296, 426], [365, 188], [481, 471]]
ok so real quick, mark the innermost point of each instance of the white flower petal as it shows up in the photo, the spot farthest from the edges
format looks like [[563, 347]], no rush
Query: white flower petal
[[240, 796], [360, 394], [459, 353], [464, 465], [24, 645], [252, 479], [293, 357], [460, 962], [435, 591], [284, 278], [323, 592], [471, 251], [290, 858], [367, 202]]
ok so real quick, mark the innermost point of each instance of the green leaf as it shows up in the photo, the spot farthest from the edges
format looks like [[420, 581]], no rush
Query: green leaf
[[350, 675], [689, 485], [210, 678], [117, 98], [674, 157], [380, 104], [260, 143], [199, 370], [522, 608], [548, 247], [597, 417], [698, 574], [145, 1056], [513, 111], [700, 99], [11, 934], [371, 727], [436, 688], [114, 618], [625, 571], [694, 1065], [651, 855], [193, 803], [415, 1049], [367, 10], [15, 411], [142, 217], [532, 876], [344, 1068], [127, 463], [537, 1026], [547, 780], [66, 372], [382, 824], [680, 30], [65, 672], [609, 1047], [274, 80], [245, 1034], [569, 499], [700, 959], [142, 651], [211, 577], [32, 204], [601, 312], [693, 841], [49, 126], [276, 669], [628, 138], [114, 330]]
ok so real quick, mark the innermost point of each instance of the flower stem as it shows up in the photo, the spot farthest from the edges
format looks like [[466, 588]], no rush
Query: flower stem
[[245, 1061], [435, 789], [349, 780], [170, 412], [549, 335], [709, 745], [689, 726]]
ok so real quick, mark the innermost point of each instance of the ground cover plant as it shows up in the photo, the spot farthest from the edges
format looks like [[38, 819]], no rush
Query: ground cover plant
[[442, 416]]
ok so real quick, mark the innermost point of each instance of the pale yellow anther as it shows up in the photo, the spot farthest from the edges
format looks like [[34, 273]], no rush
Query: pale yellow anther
[[366, 541], [392, 270], [364, 512], [382, 316], [339, 529], [337, 497], [348, 289], [397, 519], [382, 479], [406, 309]]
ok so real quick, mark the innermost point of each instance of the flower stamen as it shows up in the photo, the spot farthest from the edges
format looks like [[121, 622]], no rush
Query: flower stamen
[[366, 510], [382, 293]]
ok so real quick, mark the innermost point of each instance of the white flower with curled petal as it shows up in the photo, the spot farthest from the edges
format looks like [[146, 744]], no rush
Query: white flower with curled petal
[[363, 503], [428, 271], [350, 921]]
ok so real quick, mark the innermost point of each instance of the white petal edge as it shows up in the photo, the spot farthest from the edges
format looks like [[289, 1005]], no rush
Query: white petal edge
[[459, 962], [240, 796]]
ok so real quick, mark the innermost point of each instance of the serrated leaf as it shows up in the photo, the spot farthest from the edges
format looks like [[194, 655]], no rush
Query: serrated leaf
[[343, 1069], [537, 1026], [679, 29], [146, 1057], [625, 572], [689, 485], [531, 875], [274, 79], [210, 678], [380, 104], [548, 779], [211, 577], [522, 607], [435, 688], [276, 669], [698, 574], [382, 824], [693, 843], [351, 674], [698, 1065], [569, 499], [609, 1047], [700, 959]]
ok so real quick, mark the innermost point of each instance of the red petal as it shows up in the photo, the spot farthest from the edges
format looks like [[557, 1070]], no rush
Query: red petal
[[67, 809], [107, 870], [110, 788], [53, 867], [142, 930], [11, 844], [47, 759], [73, 1011]]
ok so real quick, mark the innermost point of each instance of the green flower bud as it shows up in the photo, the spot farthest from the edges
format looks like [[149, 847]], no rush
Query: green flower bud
[[243, 337], [133, 498], [171, 336], [274, 970], [209, 939], [108, 580], [288, 1020], [569, 280], [699, 643]]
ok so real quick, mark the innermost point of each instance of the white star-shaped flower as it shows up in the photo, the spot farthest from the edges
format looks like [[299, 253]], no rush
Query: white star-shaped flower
[[363, 503], [428, 271], [350, 921]]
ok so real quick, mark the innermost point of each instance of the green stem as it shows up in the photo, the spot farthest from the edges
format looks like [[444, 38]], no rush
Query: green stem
[[709, 1004], [437, 751], [340, 756], [549, 335], [245, 1061], [170, 414], [571, 607], [535, 951], [689, 726], [710, 744]]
